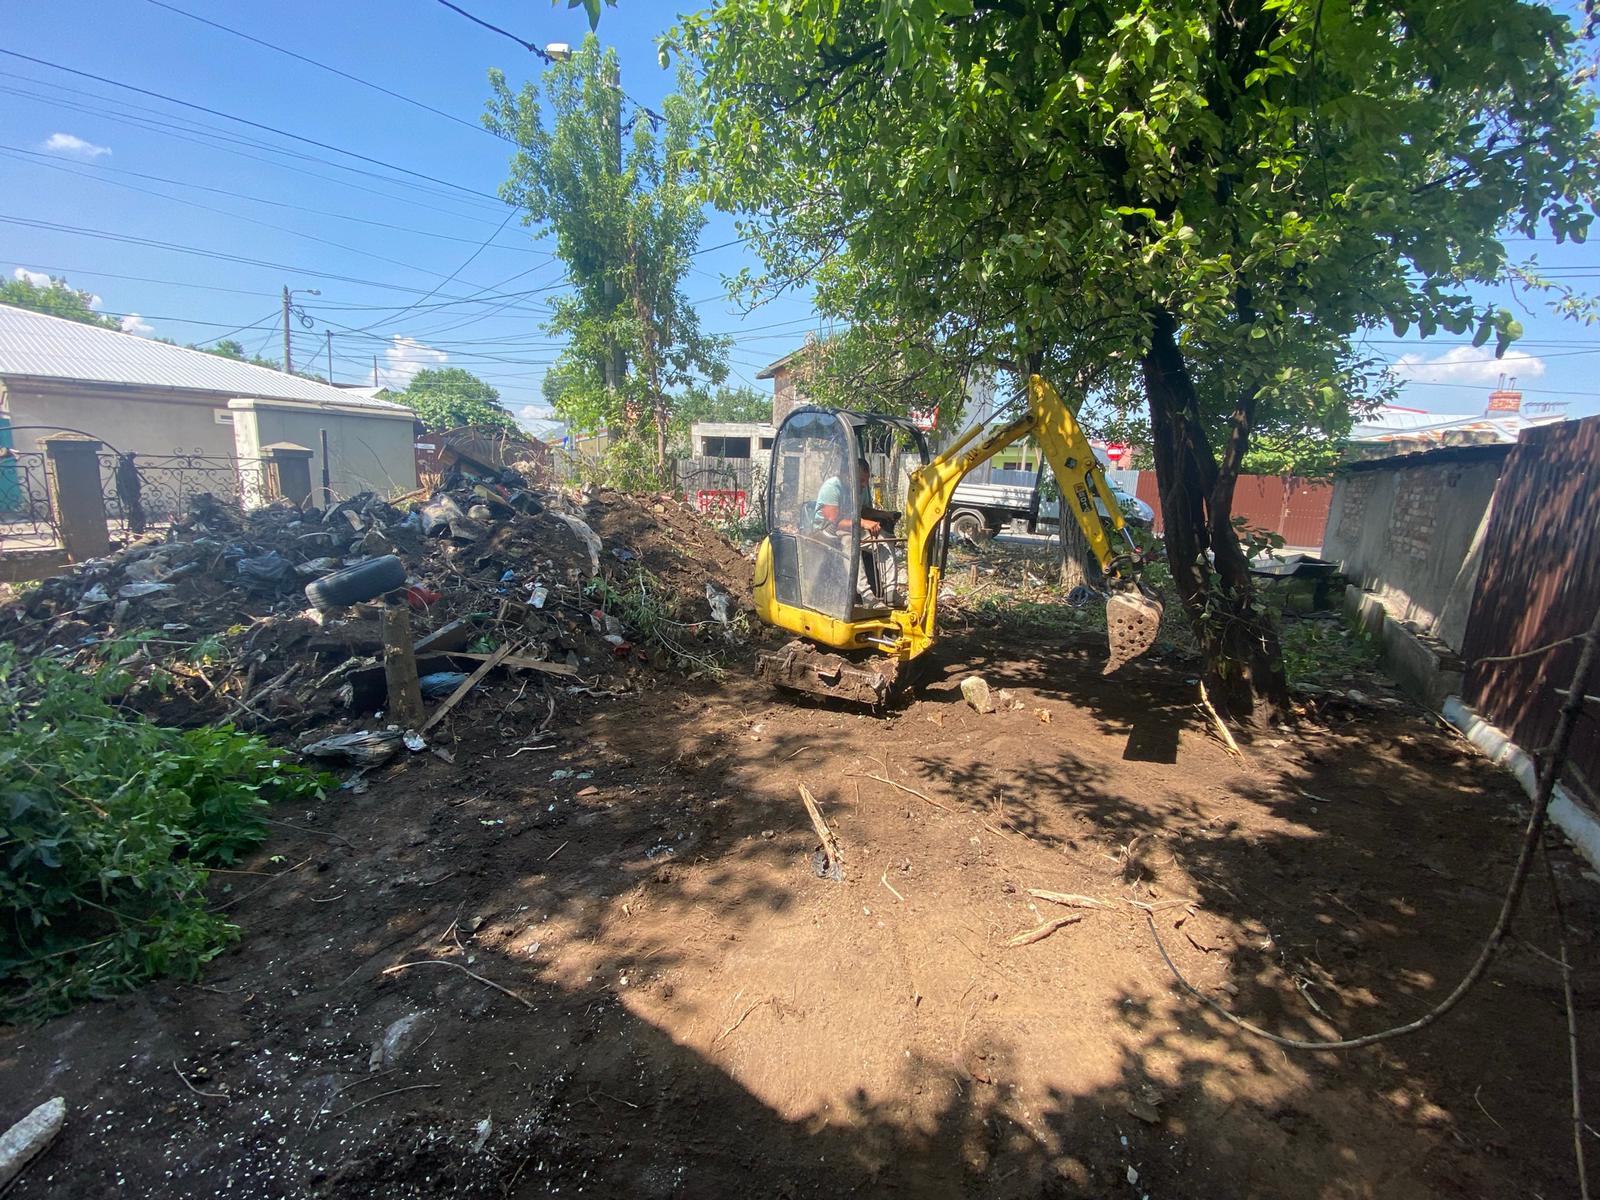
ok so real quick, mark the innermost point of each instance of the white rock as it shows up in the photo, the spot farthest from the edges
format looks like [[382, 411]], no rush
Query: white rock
[[20, 1144]]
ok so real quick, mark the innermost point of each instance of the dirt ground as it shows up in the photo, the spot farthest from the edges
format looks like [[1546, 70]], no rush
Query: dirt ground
[[693, 1012]]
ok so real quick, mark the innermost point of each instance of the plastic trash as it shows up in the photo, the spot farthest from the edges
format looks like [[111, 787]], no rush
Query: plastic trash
[[421, 598], [270, 571], [96, 595], [364, 748], [721, 603], [441, 683], [480, 512], [317, 567], [538, 594], [355, 584], [137, 591], [588, 537]]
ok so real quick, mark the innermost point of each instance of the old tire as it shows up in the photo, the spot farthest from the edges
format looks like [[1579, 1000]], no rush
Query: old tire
[[355, 584]]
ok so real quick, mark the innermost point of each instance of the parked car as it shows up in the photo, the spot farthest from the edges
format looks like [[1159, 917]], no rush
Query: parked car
[[981, 510]]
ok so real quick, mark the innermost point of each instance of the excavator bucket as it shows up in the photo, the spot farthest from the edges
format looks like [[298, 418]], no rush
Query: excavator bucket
[[1132, 622]]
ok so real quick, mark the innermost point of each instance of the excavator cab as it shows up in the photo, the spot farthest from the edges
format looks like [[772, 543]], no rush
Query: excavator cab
[[833, 523]]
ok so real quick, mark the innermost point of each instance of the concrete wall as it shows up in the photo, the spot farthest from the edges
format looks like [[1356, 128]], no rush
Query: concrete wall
[[370, 450], [1408, 531], [132, 420]]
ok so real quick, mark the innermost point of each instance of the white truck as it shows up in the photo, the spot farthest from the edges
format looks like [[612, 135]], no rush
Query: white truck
[[981, 510]]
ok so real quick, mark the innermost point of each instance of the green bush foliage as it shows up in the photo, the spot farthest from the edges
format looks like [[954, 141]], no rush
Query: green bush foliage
[[107, 825]]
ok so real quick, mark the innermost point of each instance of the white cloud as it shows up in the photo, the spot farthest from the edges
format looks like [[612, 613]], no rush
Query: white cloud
[[135, 324], [403, 358], [1467, 366], [71, 144]]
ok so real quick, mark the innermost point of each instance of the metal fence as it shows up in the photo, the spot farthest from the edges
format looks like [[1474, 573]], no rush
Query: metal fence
[[146, 491], [733, 488], [26, 520], [1294, 508], [1539, 583]]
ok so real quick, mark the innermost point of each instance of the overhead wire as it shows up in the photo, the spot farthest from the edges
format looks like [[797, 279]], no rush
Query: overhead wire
[[99, 168], [246, 121], [367, 83]]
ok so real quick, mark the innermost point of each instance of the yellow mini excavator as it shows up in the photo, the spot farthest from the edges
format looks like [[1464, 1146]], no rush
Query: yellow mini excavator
[[859, 584]]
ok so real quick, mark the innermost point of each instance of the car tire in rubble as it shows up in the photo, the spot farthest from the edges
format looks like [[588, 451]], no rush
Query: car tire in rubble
[[355, 584]]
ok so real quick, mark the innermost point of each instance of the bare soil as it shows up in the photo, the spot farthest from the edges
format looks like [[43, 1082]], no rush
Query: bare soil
[[695, 1013]]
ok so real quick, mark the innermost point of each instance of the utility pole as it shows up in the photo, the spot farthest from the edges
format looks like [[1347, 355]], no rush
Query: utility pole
[[374, 370], [288, 351], [329, 332]]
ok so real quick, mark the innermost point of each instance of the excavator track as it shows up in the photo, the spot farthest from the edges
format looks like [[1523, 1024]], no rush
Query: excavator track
[[800, 666]]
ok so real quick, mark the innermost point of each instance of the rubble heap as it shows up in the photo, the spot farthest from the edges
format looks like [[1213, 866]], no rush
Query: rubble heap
[[592, 591]]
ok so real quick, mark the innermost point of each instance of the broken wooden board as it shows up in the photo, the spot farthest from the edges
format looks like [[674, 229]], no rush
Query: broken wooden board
[[518, 663], [454, 636], [490, 663]]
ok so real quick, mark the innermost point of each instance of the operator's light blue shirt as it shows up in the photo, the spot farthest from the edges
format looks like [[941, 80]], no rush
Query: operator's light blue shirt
[[831, 492]]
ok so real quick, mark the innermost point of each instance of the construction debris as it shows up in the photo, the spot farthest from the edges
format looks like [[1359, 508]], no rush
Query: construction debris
[[208, 620], [975, 691]]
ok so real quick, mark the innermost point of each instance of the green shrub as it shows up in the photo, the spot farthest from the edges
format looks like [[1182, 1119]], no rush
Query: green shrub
[[107, 825]]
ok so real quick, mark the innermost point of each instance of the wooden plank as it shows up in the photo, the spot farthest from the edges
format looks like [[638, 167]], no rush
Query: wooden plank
[[517, 662], [400, 667], [453, 636], [471, 681], [830, 844]]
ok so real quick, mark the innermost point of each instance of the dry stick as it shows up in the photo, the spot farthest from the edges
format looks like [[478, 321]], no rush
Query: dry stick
[[439, 962], [213, 1095], [470, 682], [739, 1022], [1070, 899], [884, 879], [1530, 653], [1039, 932], [902, 787], [1548, 771], [1572, 1027], [1227, 737], [830, 844], [415, 1087], [328, 833]]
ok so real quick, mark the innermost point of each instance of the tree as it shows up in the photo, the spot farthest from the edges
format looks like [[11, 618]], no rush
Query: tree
[[449, 397], [626, 226], [1218, 196], [58, 298]]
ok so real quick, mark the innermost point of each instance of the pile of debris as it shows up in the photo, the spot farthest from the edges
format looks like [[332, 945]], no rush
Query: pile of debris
[[592, 592]]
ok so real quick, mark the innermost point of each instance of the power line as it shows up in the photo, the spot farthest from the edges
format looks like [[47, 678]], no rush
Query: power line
[[470, 258], [213, 254], [200, 134], [97, 168], [377, 87], [393, 262], [247, 121], [544, 55]]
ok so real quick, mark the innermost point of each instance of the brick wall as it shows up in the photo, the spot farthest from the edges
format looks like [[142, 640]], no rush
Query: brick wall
[[1415, 515]]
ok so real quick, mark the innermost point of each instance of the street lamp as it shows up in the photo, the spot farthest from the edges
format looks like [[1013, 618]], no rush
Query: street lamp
[[288, 307], [558, 51]]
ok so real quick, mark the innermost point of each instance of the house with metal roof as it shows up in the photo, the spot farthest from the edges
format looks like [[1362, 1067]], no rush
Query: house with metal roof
[[153, 400]]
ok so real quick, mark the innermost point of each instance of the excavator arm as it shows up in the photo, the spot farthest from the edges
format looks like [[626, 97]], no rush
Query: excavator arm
[[1132, 619]]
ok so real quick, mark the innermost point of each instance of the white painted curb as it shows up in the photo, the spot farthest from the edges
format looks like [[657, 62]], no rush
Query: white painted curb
[[1578, 823]]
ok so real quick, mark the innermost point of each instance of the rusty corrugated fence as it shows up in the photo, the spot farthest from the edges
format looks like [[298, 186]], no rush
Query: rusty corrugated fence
[[1539, 583], [1294, 508]]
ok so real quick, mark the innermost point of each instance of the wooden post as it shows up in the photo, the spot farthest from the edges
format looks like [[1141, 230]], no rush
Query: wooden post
[[400, 668], [76, 496], [327, 471]]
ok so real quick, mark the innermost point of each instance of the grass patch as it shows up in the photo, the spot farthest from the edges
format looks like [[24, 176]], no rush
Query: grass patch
[[1325, 652], [107, 827]]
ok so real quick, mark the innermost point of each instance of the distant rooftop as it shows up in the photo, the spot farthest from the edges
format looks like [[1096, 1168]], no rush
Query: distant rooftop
[[36, 346]]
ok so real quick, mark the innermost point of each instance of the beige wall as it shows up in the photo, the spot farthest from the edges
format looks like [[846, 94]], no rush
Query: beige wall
[[369, 450], [132, 420]]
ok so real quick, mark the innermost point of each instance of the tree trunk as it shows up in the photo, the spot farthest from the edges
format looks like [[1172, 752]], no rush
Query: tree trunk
[[1074, 551], [1238, 640]]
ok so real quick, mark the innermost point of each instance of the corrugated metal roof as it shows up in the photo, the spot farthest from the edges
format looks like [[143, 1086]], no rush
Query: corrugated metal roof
[[44, 347]]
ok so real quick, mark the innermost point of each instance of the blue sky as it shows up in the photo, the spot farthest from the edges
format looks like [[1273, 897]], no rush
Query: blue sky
[[80, 155]]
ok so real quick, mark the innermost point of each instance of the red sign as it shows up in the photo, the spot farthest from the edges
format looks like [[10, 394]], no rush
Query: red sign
[[722, 502], [925, 418], [1117, 453]]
